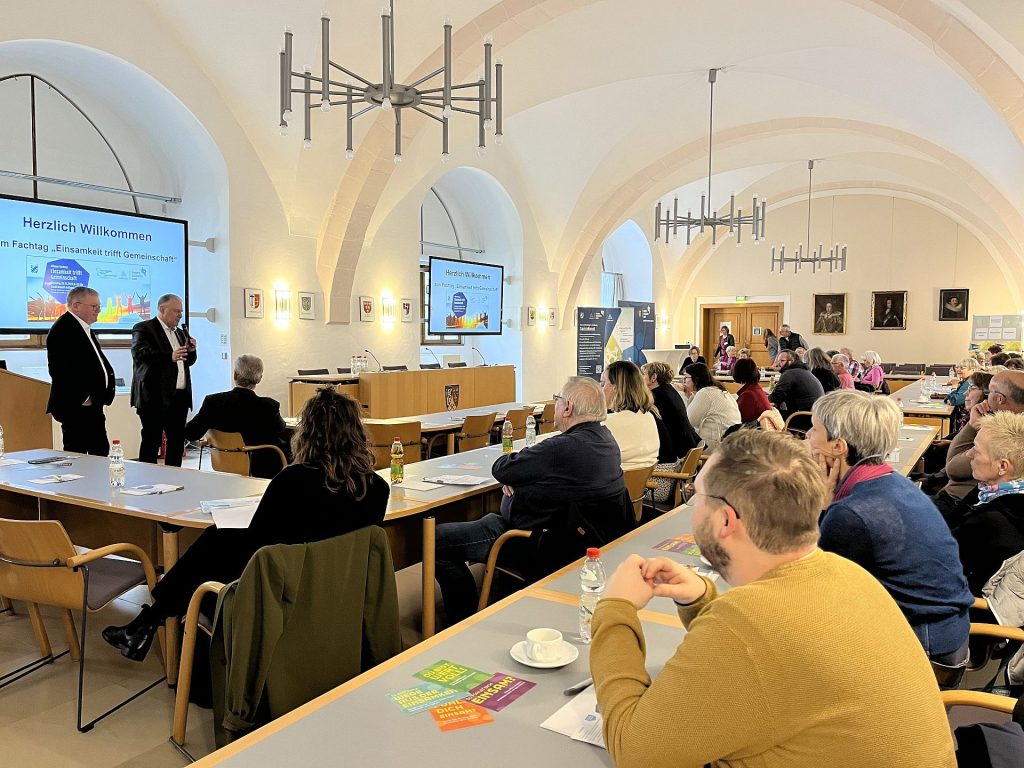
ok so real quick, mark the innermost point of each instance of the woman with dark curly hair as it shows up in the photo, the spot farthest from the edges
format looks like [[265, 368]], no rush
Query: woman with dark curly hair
[[329, 489]]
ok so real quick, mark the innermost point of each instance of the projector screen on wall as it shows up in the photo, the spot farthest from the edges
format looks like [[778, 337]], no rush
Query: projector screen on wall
[[465, 297], [46, 249]]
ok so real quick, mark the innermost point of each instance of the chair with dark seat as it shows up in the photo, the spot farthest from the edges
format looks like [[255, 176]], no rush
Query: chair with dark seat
[[40, 565], [381, 437], [229, 453], [475, 432], [888, 367], [394, 368], [938, 370], [546, 421], [911, 368], [798, 423], [459, 364], [313, 372], [344, 370], [430, 366]]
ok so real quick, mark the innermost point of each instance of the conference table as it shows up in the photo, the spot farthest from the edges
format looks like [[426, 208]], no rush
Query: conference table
[[927, 410], [449, 423]]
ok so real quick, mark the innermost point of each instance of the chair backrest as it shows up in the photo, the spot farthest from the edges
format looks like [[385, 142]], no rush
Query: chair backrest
[[394, 368], [587, 523], [460, 364], [381, 436], [344, 370], [476, 432], [546, 422], [44, 543], [313, 371], [938, 369], [798, 421], [910, 368], [636, 486], [888, 367], [226, 454], [518, 418], [430, 366], [691, 462]]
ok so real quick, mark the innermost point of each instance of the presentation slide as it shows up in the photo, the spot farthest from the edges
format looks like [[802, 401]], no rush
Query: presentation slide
[[46, 249], [465, 297]]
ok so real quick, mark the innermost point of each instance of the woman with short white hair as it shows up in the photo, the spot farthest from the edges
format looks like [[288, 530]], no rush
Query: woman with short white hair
[[885, 524], [872, 374], [960, 383]]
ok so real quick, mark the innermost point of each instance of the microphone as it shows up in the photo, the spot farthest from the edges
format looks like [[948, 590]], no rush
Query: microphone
[[436, 358], [481, 355], [379, 366]]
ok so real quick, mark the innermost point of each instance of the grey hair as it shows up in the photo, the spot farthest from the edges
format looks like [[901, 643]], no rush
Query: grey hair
[[969, 363], [248, 370], [79, 292], [166, 299], [842, 360], [873, 356], [869, 424], [587, 398]]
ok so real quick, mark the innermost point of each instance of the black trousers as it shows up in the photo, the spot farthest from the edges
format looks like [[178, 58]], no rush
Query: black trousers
[[171, 421], [86, 431]]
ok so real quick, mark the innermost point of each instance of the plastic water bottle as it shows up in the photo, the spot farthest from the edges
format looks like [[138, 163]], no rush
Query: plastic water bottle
[[531, 430], [899, 402], [952, 373], [506, 436], [397, 462], [934, 383], [116, 470], [592, 581]]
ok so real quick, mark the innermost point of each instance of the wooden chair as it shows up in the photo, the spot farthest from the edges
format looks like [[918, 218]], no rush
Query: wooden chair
[[475, 432], [229, 453], [518, 419], [492, 564], [798, 422], [313, 371], [381, 436], [546, 422], [40, 565], [684, 476], [636, 486]]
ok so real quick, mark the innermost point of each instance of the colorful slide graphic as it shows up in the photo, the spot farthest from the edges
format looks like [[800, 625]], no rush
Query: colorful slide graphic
[[465, 297]]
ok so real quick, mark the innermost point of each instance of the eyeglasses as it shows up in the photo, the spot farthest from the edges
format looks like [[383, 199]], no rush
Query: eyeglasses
[[992, 392], [556, 397], [723, 500]]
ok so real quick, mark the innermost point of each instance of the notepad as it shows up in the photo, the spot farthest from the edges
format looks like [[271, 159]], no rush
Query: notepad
[[231, 513], [47, 479], [151, 490], [417, 485], [456, 480], [579, 719]]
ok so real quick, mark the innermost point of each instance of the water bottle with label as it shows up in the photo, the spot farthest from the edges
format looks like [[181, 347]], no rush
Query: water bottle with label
[[506, 436], [592, 581], [116, 470], [531, 430], [397, 462]]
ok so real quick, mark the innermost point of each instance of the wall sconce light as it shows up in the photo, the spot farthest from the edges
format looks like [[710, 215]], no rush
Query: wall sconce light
[[388, 309], [282, 305], [543, 315]]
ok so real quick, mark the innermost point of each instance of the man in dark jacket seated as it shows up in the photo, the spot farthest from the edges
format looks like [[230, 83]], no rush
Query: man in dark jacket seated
[[258, 419], [580, 464], [797, 388]]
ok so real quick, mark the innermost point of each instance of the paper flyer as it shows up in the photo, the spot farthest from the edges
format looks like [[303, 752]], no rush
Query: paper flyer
[[460, 714], [500, 691], [683, 544], [452, 675], [425, 696]]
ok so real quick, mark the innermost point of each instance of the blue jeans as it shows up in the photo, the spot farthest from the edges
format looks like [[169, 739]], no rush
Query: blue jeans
[[457, 543]]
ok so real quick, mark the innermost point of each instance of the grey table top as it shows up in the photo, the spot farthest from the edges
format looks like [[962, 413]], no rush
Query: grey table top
[[909, 396], [362, 727]]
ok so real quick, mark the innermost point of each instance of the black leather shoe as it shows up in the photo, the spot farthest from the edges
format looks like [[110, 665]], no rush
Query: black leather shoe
[[135, 637]]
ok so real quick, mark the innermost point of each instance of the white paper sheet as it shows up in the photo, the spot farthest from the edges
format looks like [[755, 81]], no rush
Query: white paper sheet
[[579, 719], [418, 485], [10, 462], [456, 479], [151, 490], [232, 513], [47, 479]]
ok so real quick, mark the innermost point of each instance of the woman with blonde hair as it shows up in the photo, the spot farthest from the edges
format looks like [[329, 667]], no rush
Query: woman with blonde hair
[[632, 416]]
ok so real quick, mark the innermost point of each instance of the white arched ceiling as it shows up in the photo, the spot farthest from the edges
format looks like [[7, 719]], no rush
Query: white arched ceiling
[[627, 252]]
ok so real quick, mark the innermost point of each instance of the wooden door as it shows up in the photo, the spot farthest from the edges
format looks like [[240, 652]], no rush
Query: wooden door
[[761, 318], [734, 317], [742, 320]]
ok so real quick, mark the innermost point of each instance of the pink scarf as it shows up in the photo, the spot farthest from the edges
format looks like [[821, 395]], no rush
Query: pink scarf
[[859, 474]]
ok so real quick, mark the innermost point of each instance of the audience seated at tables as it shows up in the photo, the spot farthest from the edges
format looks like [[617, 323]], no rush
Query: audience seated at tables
[[258, 419], [751, 398], [330, 489], [728, 360], [671, 409], [854, 366], [694, 356], [711, 408], [938, 453], [1015, 364], [841, 368], [992, 529], [960, 383], [872, 377], [883, 522], [805, 662], [797, 388], [820, 366], [801, 354], [539, 483], [743, 354], [632, 417]]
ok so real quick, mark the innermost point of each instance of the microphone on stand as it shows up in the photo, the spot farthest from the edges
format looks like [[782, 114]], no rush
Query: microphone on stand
[[481, 355], [436, 358], [379, 366]]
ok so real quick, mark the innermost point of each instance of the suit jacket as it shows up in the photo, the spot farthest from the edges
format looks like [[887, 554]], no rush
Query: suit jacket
[[75, 373], [154, 373], [258, 419]]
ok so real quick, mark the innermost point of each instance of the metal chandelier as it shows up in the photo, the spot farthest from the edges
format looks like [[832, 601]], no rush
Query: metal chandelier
[[485, 103], [672, 221], [815, 257]]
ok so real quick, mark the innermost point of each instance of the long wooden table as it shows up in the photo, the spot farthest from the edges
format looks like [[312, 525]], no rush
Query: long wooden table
[[937, 412], [450, 422]]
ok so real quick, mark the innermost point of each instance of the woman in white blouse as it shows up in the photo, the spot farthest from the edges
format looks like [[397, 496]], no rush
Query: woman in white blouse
[[712, 409], [631, 414]]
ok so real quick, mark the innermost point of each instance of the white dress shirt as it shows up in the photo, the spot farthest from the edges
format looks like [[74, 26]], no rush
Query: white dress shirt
[[173, 339], [88, 328]]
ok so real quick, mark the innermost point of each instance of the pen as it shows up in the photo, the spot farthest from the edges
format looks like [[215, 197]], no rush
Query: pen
[[572, 690]]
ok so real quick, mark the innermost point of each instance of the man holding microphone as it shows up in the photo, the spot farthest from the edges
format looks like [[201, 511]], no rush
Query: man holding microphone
[[162, 354]]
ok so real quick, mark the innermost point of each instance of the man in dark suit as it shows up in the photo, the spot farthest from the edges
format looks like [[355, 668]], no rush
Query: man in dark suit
[[81, 377], [162, 354], [258, 419]]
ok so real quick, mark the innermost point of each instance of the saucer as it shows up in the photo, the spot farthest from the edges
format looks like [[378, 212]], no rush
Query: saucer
[[570, 653]]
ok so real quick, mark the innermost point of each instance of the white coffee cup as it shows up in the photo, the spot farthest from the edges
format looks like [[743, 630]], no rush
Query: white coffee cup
[[544, 644]]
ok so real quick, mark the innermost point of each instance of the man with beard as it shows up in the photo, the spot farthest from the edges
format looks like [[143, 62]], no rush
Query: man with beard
[[772, 672], [797, 388]]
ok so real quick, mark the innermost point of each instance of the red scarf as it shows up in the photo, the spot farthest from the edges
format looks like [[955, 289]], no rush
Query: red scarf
[[859, 474]]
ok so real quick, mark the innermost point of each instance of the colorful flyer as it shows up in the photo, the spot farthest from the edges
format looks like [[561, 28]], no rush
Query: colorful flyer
[[500, 691], [424, 696], [452, 675], [683, 544], [460, 714]]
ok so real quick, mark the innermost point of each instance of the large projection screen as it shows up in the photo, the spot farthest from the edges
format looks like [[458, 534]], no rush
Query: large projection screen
[[465, 297]]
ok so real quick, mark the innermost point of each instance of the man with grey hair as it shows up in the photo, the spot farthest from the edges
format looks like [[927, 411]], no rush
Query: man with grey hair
[[81, 377], [257, 419], [579, 464], [841, 368], [162, 354]]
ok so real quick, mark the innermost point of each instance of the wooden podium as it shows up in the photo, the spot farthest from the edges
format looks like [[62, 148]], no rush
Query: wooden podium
[[23, 412]]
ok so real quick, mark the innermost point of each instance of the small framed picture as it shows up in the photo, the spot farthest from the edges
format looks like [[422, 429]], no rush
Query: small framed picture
[[307, 306], [889, 310], [531, 315], [367, 311], [254, 302], [830, 313], [953, 303], [552, 316], [407, 311]]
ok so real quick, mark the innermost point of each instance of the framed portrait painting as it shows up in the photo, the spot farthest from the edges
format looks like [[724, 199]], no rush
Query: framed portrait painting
[[830, 313], [953, 303], [889, 310]]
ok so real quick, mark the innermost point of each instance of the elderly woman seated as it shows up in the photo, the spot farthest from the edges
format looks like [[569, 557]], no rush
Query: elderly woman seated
[[728, 360], [872, 376], [883, 522]]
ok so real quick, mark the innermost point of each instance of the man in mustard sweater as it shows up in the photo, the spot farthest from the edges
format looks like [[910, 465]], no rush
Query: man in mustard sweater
[[806, 662]]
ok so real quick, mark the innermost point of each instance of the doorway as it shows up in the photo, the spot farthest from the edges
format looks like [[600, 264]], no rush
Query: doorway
[[747, 323]]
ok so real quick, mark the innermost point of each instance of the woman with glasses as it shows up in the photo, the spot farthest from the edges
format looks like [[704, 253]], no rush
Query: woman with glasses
[[694, 356], [958, 397], [941, 452], [711, 408]]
